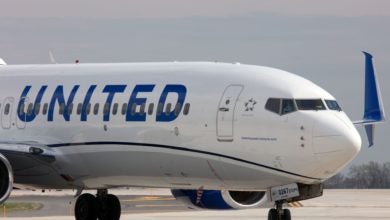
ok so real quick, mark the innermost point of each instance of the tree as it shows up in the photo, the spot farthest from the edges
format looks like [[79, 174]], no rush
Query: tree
[[372, 175]]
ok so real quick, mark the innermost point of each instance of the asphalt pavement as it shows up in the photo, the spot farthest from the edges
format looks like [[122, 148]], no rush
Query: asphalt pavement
[[153, 204]]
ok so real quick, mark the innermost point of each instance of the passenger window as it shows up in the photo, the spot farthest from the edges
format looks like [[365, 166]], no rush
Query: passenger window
[[21, 109], [70, 108], [96, 109], [142, 110], [7, 108], [186, 109], [133, 108], [288, 106], [44, 110], [106, 109], [310, 104], [79, 108], [177, 109], [159, 108], [30, 109], [151, 108], [37, 108], [115, 109], [273, 105], [333, 105], [168, 108], [124, 108], [88, 108], [61, 109]]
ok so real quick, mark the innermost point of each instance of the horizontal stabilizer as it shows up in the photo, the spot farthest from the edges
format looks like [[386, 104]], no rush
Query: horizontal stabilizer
[[373, 106]]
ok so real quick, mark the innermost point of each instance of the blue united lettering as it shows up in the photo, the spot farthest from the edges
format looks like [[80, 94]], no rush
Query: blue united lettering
[[63, 98]]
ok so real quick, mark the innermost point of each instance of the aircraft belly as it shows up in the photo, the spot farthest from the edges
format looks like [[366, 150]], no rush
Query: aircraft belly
[[118, 166]]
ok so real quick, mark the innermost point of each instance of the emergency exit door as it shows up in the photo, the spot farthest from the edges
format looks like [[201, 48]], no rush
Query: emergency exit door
[[6, 113], [226, 110]]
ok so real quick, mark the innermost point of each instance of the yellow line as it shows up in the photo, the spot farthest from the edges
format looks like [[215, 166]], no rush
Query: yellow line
[[159, 205], [295, 204], [149, 198]]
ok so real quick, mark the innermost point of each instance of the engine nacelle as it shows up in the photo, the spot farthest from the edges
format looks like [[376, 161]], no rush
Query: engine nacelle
[[6, 178], [214, 199]]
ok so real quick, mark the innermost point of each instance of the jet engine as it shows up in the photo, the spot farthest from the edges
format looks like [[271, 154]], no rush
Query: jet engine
[[215, 199], [6, 178]]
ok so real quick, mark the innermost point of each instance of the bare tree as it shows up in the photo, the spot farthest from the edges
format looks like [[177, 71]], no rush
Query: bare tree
[[372, 175]]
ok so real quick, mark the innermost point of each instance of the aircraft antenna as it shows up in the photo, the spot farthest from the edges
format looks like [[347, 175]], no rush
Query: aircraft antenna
[[52, 59]]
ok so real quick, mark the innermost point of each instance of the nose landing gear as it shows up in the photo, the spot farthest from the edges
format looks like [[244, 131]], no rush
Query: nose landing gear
[[288, 193], [279, 213], [103, 207]]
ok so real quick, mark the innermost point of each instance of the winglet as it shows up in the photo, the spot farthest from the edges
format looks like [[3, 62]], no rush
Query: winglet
[[373, 106]]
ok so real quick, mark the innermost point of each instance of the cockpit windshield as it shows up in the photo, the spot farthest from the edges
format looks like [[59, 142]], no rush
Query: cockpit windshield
[[310, 104], [333, 105], [283, 106], [280, 106]]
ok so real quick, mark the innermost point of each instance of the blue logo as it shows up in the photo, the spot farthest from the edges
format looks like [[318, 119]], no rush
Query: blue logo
[[137, 98]]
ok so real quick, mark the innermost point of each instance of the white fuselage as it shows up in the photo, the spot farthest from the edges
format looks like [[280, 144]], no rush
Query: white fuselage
[[220, 137]]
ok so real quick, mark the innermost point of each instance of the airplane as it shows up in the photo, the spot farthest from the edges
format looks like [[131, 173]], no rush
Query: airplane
[[219, 135]]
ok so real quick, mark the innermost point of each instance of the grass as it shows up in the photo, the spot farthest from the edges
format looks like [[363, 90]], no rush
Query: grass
[[20, 206]]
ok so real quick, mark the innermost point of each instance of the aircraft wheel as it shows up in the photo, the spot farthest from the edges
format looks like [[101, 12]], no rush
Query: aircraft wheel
[[272, 214], [286, 214], [111, 210], [86, 207]]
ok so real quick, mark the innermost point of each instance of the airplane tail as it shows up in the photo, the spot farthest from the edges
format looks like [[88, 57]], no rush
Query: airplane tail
[[373, 106]]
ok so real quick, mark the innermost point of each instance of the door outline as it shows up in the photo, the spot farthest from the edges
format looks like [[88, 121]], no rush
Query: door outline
[[226, 112], [6, 120], [20, 123]]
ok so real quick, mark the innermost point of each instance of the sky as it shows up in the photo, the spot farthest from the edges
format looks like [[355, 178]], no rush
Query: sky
[[319, 40]]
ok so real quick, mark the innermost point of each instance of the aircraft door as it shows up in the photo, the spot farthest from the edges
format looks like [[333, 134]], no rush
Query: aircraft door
[[6, 113], [225, 114]]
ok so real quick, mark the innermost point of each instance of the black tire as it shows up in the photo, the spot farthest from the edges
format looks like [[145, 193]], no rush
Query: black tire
[[86, 207], [112, 210], [272, 214], [286, 214]]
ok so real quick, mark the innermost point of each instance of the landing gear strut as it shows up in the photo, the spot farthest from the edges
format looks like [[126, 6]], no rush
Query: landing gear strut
[[103, 207], [279, 213]]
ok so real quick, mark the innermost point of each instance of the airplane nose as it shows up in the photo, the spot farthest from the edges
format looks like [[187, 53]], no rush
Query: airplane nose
[[335, 133], [336, 143], [348, 144], [353, 141]]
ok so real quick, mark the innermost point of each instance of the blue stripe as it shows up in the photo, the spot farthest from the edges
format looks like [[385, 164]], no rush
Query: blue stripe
[[179, 149]]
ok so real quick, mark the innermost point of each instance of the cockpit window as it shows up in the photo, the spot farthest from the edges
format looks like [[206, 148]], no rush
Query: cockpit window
[[280, 106], [273, 105], [310, 104], [287, 106], [333, 105]]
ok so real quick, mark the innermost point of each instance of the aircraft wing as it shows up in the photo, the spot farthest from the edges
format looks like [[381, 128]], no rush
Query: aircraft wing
[[28, 159]]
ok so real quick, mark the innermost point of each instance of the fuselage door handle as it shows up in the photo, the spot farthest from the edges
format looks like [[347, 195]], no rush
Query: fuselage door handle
[[223, 109]]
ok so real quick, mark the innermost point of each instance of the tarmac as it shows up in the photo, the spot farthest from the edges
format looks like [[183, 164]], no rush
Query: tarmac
[[153, 204]]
